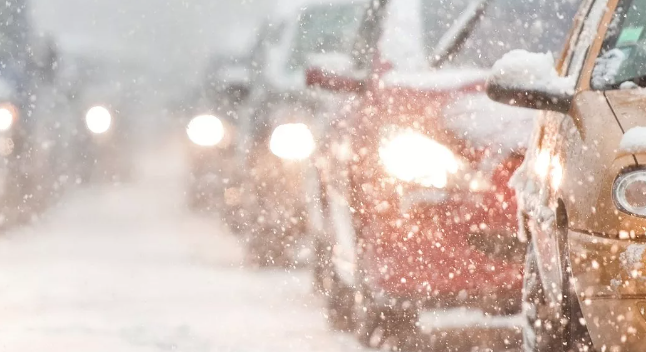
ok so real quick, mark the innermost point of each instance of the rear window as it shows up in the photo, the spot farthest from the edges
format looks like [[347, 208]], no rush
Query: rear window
[[412, 28], [326, 29]]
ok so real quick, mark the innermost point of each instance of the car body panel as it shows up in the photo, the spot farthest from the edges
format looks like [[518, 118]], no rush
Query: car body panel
[[605, 246]]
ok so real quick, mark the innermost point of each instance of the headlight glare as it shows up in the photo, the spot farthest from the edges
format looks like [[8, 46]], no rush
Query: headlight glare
[[7, 115], [205, 130], [629, 192], [98, 120], [413, 157], [292, 141]]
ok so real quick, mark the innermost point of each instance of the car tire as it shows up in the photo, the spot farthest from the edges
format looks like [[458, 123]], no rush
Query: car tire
[[266, 248], [339, 297], [544, 331], [379, 325]]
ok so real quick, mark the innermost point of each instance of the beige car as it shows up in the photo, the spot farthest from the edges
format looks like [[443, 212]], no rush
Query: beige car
[[582, 187]]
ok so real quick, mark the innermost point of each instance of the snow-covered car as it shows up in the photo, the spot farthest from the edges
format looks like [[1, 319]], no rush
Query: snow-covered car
[[581, 188], [282, 125], [417, 193]]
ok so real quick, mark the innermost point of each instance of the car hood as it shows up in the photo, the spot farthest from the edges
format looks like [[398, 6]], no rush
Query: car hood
[[629, 106]]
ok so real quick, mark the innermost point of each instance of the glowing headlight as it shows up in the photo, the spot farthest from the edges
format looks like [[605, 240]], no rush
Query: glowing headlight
[[205, 130], [413, 157], [546, 165], [98, 119], [629, 192], [7, 115], [292, 141]]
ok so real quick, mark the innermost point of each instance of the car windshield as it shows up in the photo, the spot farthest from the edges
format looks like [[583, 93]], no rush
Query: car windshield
[[326, 29], [623, 55], [536, 26]]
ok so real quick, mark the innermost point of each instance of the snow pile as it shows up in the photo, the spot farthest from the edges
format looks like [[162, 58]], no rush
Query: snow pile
[[634, 141], [632, 262], [401, 42], [448, 79], [532, 195], [607, 67], [530, 69], [337, 63], [632, 258], [489, 124]]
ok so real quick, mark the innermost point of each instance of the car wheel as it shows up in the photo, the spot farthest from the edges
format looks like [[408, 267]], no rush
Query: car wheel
[[339, 297], [544, 330], [393, 326], [266, 248]]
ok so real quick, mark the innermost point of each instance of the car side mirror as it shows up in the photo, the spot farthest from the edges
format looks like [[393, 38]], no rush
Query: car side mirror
[[529, 80], [334, 72]]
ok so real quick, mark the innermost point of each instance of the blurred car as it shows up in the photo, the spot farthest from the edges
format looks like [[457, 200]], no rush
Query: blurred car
[[282, 126], [99, 122], [30, 106], [212, 127], [581, 188], [416, 191]]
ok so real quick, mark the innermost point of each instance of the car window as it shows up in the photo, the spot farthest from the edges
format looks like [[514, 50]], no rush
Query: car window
[[623, 55], [536, 26], [325, 29]]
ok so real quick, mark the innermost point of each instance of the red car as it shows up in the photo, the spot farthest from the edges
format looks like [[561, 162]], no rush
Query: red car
[[415, 177]]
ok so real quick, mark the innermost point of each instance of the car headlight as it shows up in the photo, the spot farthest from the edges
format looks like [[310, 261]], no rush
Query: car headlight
[[8, 113], [205, 130], [98, 120], [629, 192], [292, 141], [413, 157]]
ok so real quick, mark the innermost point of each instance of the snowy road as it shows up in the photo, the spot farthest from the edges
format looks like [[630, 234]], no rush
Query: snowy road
[[128, 268], [122, 268]]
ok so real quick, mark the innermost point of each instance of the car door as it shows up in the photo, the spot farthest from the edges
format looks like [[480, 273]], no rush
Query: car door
[[538, 182], [341, 151]]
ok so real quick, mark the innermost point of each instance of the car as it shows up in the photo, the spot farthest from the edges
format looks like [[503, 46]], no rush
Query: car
[[213, 141], [30, 105], [101, 117], [580, 189], [282, 126], [421, 214]]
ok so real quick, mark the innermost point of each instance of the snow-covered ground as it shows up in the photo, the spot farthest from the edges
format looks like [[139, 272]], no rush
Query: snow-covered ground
[[128, 268], [120, 268]]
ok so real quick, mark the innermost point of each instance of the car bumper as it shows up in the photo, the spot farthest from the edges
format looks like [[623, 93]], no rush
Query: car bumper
[[440, 251], [214, 175], [610, 281]]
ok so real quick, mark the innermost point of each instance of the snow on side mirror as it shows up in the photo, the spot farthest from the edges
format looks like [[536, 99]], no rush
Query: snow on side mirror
[[334, 72], [529, 80]]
